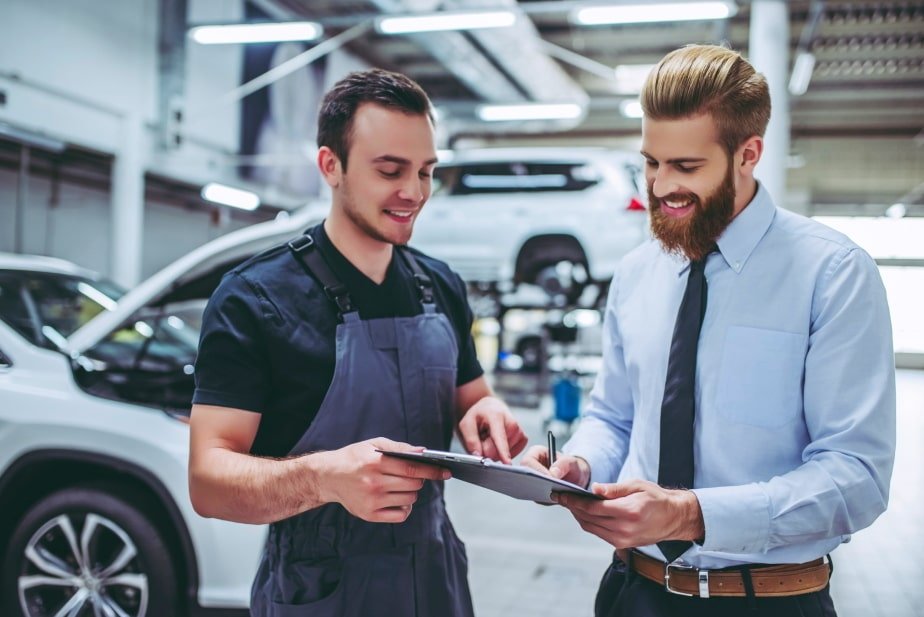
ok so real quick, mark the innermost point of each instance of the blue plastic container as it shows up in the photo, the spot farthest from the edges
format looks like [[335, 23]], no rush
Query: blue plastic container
[[567, 395]]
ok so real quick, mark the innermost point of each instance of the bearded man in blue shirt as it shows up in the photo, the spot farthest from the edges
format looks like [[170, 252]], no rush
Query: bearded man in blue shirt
[[743, 423]]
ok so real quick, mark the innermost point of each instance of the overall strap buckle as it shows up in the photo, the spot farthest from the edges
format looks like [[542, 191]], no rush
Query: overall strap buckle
[[422, 280], [315, 263]]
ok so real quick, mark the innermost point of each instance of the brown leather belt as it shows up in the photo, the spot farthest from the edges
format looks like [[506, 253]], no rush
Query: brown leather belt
[[767, 581]]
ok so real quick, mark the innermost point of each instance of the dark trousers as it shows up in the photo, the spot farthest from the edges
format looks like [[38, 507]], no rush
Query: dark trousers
[[624, 593]]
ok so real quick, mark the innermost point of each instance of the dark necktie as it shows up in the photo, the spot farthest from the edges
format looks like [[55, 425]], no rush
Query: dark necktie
[[675, 469]]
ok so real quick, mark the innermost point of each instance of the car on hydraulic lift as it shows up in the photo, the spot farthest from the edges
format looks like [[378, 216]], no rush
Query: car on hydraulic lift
[[559, 218], [95, 390]]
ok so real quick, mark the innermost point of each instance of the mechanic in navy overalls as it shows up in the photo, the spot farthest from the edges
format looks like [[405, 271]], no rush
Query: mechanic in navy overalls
[[319, 352]]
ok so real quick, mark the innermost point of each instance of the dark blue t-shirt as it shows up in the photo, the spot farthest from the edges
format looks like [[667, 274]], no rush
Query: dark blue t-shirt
[[268, 334]]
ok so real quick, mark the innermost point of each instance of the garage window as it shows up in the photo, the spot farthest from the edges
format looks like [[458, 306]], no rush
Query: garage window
[[896, 246]]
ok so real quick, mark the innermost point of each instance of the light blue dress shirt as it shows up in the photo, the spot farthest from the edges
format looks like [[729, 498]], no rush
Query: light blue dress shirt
[[795, 387]]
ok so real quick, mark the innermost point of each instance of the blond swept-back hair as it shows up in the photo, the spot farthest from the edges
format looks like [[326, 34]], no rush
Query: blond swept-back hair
[[699, 79]]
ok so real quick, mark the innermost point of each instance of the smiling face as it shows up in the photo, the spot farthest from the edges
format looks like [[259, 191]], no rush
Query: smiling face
[[695, 188], [391, 159]]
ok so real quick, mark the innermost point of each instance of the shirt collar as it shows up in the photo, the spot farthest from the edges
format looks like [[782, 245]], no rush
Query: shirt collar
[[741, 236]]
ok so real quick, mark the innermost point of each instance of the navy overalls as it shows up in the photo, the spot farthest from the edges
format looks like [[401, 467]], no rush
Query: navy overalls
[[395, 378]]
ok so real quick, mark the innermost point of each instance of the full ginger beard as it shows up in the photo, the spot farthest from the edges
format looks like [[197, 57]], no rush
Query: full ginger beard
[[694, 235]]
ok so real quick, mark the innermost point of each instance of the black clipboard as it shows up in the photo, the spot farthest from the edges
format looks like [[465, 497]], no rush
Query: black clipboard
[[513, 480]]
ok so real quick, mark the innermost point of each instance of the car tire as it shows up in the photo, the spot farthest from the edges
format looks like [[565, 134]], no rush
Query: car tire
[[125, 559], [557, 265], [564, 280]]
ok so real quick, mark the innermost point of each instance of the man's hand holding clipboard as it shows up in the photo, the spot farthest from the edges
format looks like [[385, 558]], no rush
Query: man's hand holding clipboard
[[547, 461], [517, 481]]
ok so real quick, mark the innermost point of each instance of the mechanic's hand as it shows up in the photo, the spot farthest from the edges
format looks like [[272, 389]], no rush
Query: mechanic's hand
[[370, 485], [636, 513], [489, 429], [572, 469]]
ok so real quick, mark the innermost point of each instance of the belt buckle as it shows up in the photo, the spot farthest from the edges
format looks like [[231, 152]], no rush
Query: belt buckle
[[680, 566]]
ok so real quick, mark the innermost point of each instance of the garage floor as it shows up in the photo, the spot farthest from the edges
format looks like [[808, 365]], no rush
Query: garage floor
[[526, 559]]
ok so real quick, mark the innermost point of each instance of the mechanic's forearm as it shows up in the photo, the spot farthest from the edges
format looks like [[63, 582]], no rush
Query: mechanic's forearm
[[247, 489]]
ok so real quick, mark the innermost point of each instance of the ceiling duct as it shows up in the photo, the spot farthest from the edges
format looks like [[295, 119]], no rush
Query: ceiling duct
[[500, 65]]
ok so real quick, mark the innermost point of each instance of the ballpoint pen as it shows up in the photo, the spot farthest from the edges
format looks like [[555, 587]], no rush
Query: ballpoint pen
[[551, 447]]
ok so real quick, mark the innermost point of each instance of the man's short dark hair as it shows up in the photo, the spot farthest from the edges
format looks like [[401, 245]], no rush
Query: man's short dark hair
[[384, 88]]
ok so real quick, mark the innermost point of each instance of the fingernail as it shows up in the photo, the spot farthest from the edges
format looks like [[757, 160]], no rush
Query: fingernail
[[445, 475]]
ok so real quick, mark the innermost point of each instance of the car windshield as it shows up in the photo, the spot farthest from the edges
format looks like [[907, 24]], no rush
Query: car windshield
[[48, 307], [149, 360]]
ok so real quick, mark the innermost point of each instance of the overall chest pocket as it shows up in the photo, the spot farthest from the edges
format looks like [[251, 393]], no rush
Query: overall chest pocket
[[760, 376]]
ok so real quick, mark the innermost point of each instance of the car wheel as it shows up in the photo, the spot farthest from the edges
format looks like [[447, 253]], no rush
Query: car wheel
[[83, 552], [564, 279]]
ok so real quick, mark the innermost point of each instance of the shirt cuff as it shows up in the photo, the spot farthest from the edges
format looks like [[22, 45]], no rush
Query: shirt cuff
[[736, 518], [601, 468]]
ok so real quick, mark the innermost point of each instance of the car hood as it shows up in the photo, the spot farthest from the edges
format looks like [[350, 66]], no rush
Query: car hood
[[183, 273]]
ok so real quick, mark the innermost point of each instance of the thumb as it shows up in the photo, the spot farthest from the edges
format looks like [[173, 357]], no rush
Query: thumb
[[564, 468], [383, 443], [615, 491], [619, 489]]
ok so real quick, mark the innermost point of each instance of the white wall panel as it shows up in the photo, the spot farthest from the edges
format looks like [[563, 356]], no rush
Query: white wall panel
[[84, 63]]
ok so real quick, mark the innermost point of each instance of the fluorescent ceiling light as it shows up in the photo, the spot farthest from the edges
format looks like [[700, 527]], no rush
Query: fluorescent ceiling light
[[229, 196], [631, 77], [530, 111], [631, 109], [665, 11], [801, 73], [257, 33], [445, 21]]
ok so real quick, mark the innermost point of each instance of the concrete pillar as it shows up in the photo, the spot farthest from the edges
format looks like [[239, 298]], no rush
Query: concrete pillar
[[768, 51], [128, 204]]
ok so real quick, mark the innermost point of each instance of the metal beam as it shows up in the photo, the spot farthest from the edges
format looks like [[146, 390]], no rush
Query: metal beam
[[171, 65]]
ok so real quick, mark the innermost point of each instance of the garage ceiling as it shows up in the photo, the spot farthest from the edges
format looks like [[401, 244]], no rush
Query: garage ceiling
[[868, 80]]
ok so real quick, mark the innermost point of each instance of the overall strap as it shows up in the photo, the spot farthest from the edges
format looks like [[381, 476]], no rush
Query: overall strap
[[304, 249], [424, 284]]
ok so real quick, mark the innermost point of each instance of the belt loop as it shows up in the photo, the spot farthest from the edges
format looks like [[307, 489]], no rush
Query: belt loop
[[703, 579], [749, 587], [830, 566]]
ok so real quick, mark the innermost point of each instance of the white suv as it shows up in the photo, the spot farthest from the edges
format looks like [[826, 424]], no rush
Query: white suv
[[95, 385], [556, 217]]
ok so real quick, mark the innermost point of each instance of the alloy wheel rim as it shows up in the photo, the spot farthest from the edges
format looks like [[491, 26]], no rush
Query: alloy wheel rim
[[82, 565]]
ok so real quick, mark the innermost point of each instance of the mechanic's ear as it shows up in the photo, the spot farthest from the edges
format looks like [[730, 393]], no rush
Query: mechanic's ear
[[330, 166]]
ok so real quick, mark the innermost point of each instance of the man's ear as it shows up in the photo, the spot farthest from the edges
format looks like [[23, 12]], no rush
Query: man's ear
[[750, 152], [330, 167]]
